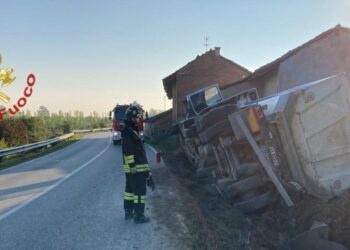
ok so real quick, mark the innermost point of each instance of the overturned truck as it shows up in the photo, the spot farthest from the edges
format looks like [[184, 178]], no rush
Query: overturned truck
[[256, 149]]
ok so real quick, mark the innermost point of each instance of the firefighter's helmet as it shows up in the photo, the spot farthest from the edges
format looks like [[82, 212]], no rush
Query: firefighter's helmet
[[132, 111]]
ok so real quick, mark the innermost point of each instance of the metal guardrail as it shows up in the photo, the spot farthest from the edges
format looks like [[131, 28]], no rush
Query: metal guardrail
[[27, 147], [91, 130], [41, 144]]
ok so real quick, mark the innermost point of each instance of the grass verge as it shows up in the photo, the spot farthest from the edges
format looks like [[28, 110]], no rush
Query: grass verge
[[168, 146], [12, 160]]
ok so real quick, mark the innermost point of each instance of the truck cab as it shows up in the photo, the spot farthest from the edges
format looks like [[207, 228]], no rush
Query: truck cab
[[117, 116]]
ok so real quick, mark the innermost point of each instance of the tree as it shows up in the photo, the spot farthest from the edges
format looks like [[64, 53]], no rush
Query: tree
[[66, 127], [37, 130], [3, 143], [43, 112], [15, 132]]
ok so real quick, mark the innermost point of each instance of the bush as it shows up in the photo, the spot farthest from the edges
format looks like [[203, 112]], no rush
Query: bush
[[3, 144]]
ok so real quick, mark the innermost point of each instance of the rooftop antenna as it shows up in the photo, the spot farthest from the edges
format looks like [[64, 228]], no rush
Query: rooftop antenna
[[206, 43]]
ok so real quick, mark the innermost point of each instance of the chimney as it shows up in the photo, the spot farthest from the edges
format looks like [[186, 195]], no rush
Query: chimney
[[217, 51]]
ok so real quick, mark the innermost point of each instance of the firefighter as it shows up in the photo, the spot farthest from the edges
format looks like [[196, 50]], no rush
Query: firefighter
[[136, 168]]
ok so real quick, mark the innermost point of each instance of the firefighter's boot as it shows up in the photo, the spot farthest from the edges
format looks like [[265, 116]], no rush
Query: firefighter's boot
[[129, 215], [138, 219]]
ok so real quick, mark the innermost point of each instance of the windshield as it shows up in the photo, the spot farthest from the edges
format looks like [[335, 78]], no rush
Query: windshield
[[119, 114], [206, 98], [212, 96]]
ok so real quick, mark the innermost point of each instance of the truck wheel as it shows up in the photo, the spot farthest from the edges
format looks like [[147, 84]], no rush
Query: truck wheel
[[189, 149], [223, 183], [206, 150], [247, 196], [215, 115], [211, 134], [248, 169], [205, 172], [209, 161], [243, 186], [256, 203]]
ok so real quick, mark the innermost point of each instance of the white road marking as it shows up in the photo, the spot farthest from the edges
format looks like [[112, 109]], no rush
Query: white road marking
[[15, 209]]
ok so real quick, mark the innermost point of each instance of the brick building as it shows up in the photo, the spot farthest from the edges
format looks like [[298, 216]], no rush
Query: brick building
[[205, 70], [158, 126]]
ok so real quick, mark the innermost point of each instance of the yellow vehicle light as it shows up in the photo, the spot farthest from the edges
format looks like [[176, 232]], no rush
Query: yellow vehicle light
[[253, 121]]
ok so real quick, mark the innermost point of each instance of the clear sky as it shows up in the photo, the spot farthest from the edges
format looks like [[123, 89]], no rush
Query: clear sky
[[89, 55]]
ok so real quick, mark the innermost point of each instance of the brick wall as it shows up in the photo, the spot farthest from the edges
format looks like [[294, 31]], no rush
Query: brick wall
[[159, 125], [203, 71]]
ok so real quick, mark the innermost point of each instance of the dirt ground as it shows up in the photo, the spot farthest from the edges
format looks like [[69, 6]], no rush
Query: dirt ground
[[196, 213]]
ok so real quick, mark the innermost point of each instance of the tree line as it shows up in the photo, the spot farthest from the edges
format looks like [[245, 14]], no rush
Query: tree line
[[26, 128]]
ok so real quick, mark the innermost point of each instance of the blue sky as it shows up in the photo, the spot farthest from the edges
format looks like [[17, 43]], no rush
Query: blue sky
[[88, 55]]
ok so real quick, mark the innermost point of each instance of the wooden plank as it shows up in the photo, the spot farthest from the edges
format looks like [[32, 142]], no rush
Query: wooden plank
[[267, 166]]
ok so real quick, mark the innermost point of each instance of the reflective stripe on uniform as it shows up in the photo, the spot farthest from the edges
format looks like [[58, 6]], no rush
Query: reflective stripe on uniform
[[142, 168], [128, 196], [139, 199], [129, 159], [128, 169]]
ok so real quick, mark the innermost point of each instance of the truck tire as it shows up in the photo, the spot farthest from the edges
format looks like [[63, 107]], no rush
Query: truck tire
[[215, 115], [243, 186], [211, 134], [189, 149], [223, 183], [248, 169], [206, 150], [247, 196], [208, 161], [205, 172], [256, 203]]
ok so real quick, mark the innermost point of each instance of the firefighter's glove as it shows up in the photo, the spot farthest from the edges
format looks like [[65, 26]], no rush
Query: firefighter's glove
[[150, 182]]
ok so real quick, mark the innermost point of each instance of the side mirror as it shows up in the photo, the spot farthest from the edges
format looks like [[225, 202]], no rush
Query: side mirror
[[110, 115]]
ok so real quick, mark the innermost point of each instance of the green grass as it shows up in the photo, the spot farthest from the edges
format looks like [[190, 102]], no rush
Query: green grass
[[12, 160], [168, 146]]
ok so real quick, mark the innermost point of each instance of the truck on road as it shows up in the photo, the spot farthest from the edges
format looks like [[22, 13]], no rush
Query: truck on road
[[117, 116]]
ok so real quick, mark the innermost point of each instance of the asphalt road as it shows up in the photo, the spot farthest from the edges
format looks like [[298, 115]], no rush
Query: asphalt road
[[72, 199]]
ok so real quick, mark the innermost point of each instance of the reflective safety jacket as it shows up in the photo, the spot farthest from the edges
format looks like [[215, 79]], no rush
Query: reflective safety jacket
[[134, 154]]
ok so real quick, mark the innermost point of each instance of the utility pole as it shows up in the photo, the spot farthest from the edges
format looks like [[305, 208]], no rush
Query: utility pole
[[206, 43]]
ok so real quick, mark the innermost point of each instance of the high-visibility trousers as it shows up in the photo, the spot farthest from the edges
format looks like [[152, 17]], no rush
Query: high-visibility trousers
[[135, 192]]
